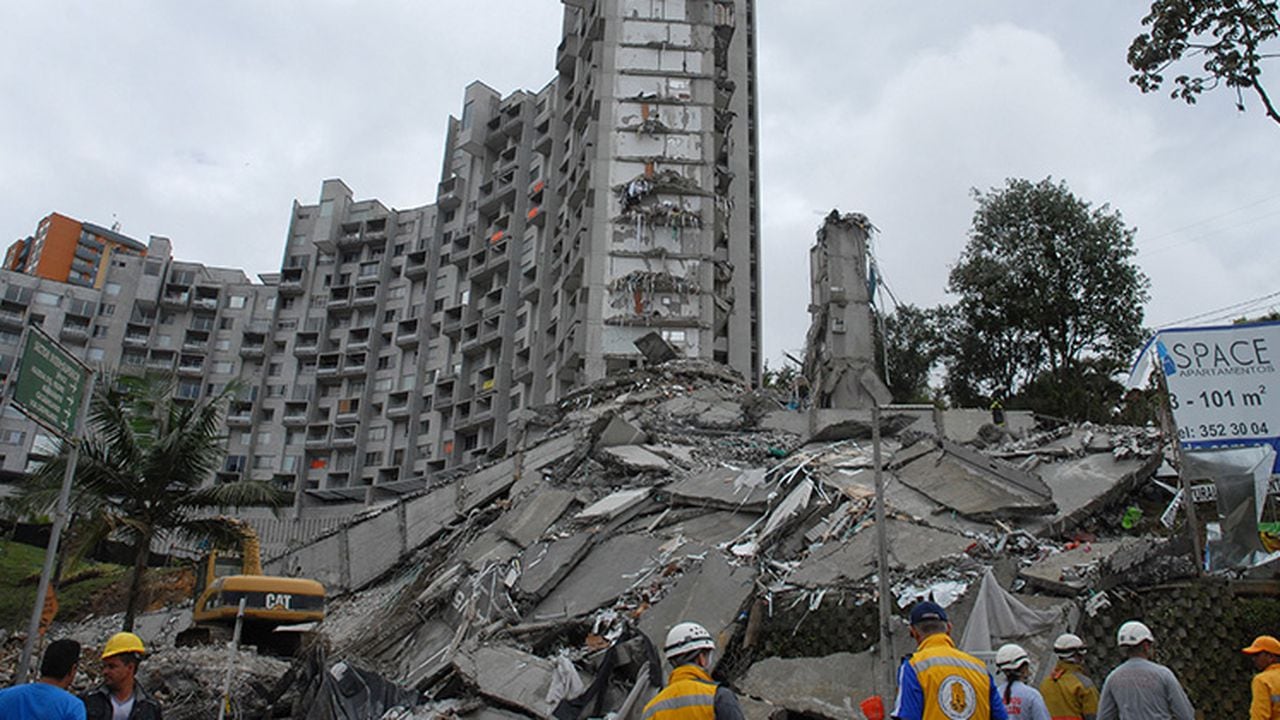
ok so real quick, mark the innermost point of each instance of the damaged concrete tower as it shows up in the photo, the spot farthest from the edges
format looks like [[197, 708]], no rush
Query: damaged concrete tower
[[840, 348]]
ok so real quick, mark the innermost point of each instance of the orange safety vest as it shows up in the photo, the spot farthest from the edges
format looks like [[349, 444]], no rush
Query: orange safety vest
[[690, 694], [1069, 693]]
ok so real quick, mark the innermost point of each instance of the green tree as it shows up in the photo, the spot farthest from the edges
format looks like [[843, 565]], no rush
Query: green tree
[[1049, 299], [1233, 37], [912, 347], [142, 470]]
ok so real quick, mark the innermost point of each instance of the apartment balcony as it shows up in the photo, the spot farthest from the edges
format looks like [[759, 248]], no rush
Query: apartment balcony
[[209, 304], [339, 298], [415, 266], [306, 346], [291, 282], [252, 351], [190, 369], [294, 418], [448, 194], [74, 333], [240, 417], [317, 440], [366, 296], [12, 320], [343, 441], [175, 300], [407, 333]]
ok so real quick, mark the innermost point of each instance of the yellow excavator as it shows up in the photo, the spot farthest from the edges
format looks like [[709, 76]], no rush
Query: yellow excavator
[[277, 609]]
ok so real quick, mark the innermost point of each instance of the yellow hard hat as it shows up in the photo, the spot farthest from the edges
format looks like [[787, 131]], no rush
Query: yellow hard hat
[[123, 642]]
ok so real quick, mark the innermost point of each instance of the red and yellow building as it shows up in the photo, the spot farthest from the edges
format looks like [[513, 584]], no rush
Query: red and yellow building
[[70, 251]]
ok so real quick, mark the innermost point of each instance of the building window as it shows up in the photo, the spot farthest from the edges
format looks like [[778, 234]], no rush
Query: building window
[[45, 298], [111, 288], [378, 433], [262, 462], [96, 354], [233, 463], [222, 368], [226, 323], [373, 458], [235, 302], [107, 309], [14, 437]]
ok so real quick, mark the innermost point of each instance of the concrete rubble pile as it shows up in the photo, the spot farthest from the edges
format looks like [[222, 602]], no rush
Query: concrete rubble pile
[[543, 585]]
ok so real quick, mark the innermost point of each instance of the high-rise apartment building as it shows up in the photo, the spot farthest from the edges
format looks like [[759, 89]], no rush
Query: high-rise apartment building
[[618, 200], [69, 251]]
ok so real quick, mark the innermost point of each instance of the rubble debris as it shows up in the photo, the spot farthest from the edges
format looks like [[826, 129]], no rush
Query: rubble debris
[[656, 350], [524, 524], [724, 488], [813, 686], [712, 594], [910, 546], [513, 678], [608, 571], [674, 492]]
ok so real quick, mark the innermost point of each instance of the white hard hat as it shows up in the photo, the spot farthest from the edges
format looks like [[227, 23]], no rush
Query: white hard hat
[[1011, 657], [1067, 645], [1134, 633], [687, 637]]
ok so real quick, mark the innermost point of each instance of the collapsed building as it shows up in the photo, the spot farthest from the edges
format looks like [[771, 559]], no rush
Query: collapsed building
[[540, 585]]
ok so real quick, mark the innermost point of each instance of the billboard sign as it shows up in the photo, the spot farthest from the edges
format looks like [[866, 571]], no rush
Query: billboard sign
[[51, 384], [1223, 384]]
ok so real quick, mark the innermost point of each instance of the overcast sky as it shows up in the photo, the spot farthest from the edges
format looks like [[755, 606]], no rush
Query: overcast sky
[[204, 121]]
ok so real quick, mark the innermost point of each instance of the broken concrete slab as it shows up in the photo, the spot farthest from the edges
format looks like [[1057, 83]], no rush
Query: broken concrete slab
[[910, 546], [795, 422], [813, 686], [972, 491], [489, 548], [513, 678], [827, 425], [545, 564], [633, 459], [613, 505], [1067, 573], [701, 411], [711, 528], [1083, 486], [859, 485], [723, 488], [483, 486], [679, 453], [526, 522], [620, 432], [606, 572], [655, 349], [711, 594]]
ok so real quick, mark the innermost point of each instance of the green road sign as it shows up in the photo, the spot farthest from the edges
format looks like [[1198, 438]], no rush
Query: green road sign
[[51, 384]]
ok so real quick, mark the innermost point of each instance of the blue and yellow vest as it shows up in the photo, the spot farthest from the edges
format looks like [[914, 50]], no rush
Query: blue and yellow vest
[[939, 682]]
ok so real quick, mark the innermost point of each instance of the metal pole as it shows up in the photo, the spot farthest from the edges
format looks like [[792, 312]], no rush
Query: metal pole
[[1170, 428], [882, 562], [55, 536], [231, 662]]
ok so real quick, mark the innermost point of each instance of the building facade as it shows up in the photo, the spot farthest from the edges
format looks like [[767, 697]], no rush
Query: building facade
[[69, 251], [618, 200]]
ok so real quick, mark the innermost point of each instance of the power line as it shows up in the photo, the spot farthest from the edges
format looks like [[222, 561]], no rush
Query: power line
[[1219, 216], [1223, 312], [1149, 251]]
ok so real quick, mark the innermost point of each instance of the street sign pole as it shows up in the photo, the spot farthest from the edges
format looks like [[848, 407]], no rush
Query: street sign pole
[[55, 535]]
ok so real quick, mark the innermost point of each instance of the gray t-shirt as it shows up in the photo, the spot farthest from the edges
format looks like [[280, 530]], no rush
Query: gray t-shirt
[[121, 710], [1024, 701], [1142, 690]]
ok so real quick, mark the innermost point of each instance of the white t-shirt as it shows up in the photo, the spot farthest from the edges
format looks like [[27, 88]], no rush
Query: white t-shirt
[[121, 710]]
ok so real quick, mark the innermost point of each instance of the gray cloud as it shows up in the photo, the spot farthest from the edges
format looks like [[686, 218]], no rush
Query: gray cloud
[[204, 121]]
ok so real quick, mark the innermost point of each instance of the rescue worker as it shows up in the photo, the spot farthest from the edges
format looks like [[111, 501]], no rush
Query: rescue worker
[[1140, 689], [47, 698], [939, 682], [1020, 699], [1265, 652], [1068, 692], [121, 697], [690, 693]]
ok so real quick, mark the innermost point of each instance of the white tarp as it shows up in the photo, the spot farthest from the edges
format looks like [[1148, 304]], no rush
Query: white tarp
[[999, 617]]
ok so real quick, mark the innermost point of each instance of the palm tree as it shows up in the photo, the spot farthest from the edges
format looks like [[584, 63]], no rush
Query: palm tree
[[142, 469]]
